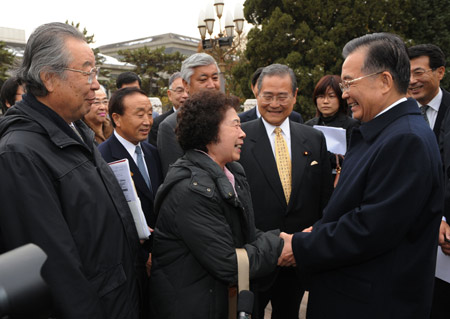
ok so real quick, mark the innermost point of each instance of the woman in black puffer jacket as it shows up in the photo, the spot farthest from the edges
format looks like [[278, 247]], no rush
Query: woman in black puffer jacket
[[204, 213]]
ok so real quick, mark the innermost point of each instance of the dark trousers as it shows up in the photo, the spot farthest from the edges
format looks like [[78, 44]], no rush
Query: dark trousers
[[285, 295], [441, 300]]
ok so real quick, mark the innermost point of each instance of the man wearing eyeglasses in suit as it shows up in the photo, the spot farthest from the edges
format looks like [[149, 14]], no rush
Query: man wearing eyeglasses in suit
[[427, 71], [176, 94], [373, 253], [289, 174]]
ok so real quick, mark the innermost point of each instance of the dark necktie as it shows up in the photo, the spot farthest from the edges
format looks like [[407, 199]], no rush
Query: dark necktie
[[423, 110], [141, 166]]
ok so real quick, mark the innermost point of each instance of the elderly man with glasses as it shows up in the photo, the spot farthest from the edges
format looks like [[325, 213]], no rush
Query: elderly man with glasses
[[373, 253], [289, 174], [177, 95], [57, 192]]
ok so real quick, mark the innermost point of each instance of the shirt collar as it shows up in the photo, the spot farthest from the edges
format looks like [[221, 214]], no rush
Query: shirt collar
[[284, 127], [130, 147], [258, 115], [435, 103], [403, 99], [369, 130]]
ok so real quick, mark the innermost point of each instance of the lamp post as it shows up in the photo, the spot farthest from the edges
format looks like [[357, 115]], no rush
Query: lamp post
[[223, 44]]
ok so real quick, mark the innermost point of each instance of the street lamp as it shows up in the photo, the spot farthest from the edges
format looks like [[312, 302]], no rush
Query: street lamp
[[222, 44]]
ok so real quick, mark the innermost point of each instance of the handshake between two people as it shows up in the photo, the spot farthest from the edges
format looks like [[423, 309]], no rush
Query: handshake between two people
[[287, 258]]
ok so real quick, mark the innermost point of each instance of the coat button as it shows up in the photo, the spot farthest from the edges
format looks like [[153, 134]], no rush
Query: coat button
[[229, 194], [208, 189], [195, 183]]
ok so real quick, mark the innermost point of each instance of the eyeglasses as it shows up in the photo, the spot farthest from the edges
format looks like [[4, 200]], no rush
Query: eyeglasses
[[92, 73], [98, 102], [418, 73], [345, 85], [329, 96], [282, 98], [178, 90]]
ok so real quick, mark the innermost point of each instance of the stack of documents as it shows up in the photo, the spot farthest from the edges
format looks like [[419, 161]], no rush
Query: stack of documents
[[121, 169]]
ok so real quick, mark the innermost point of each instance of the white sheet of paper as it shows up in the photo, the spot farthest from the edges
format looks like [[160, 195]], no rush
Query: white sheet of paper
[[121, 169], [335, 137], [443, 266]]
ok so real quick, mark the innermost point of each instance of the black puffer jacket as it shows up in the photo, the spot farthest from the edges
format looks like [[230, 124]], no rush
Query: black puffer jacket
[[200, 223]]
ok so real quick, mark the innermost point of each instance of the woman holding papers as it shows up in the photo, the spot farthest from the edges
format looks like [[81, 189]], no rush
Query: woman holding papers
[[332, 111], [204, 213]]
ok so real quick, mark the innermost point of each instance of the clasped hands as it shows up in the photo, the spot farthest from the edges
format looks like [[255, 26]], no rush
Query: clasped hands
[[444, 238], [287, 258]]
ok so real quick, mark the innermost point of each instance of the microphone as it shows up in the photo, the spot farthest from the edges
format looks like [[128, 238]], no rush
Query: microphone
[[245, 304], [23, 292]]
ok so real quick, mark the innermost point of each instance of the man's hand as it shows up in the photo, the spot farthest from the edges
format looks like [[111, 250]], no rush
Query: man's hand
[[307, 230], [148, 264], [444, 238], [286, 258]]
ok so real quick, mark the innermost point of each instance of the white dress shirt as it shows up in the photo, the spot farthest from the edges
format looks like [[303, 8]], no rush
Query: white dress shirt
[[433, 110], [131, 149], [285, 131]]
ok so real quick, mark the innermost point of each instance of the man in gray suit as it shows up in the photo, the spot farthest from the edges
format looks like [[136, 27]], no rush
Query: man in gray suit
[[199, 71]]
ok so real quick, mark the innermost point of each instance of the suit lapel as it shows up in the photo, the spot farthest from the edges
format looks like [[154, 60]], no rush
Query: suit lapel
[[300, 153], [441, 113], [151, 168], [118, 152], [263, 155]]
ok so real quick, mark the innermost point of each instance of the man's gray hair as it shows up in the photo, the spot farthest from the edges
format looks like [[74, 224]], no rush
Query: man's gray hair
[[103, 89], [173, 77], [46, 52], [195, 60], [280, 70]]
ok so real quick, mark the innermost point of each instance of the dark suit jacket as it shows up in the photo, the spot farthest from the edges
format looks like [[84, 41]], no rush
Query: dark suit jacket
[[311, 183], [112, 150], [153, 136], [251, 115], [445, 105], [168, 147], [444, 143], [373, 253]]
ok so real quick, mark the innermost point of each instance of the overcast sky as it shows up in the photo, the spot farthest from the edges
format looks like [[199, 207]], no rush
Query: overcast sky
[[112, 21]]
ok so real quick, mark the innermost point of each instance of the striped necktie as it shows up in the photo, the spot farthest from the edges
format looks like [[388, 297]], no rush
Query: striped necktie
[[423, 110]]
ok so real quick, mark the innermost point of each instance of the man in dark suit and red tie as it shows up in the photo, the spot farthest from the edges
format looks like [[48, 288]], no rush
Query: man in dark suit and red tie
[[289, 173]]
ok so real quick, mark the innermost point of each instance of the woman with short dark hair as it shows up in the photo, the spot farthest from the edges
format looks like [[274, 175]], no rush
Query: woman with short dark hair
[[204, 213]]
